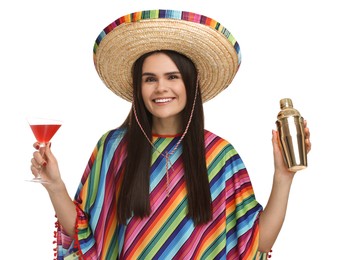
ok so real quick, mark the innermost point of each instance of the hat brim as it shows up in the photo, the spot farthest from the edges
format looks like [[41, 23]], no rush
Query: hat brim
[[216, 57]]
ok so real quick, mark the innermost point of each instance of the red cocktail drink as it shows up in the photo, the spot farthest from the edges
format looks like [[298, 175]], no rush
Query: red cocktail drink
[[44, 133]]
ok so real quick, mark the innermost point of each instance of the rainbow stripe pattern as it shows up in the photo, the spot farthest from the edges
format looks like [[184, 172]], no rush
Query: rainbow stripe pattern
[[167, 233], [169, 14]]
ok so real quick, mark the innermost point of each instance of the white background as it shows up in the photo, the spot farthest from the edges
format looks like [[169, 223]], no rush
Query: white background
[[290, 49]]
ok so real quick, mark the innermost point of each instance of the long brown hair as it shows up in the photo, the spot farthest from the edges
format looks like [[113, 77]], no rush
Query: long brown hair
[[134, 193]]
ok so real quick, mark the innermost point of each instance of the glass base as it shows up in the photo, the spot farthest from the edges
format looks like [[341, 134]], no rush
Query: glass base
[[38, 180]]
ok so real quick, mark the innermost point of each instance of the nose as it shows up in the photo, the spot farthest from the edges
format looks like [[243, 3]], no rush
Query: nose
[[161, 86]]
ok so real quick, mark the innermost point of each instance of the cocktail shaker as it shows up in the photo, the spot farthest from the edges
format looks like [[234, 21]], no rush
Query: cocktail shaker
[[290, 125]]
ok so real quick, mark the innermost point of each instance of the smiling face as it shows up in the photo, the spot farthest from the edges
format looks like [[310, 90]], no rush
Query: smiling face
[[163, 90]]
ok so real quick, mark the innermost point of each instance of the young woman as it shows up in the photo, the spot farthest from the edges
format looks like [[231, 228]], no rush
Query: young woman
[[160, 186]]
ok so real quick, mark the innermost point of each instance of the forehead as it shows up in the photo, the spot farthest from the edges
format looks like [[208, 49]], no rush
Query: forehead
[[159, 62]]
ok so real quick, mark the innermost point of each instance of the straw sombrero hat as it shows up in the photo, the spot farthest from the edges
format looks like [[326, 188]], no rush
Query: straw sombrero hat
[[210, 46]]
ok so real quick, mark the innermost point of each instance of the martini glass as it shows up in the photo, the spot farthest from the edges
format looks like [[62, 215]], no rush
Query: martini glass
[[43, 129]]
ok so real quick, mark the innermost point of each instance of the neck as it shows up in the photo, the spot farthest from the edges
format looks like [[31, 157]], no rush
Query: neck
[[167, 126]]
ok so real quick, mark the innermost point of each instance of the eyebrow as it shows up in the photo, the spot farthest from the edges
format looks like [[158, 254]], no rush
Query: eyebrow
[[166, 74]]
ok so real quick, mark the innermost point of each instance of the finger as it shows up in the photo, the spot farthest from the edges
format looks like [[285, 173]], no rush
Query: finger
[[34, 163], [274, 136], [308, 145], [275, 139], [276, 145], [36, 145], [48, 145], [307, 132], [34, 170], [307, 138], [39, 159], [48, 151]]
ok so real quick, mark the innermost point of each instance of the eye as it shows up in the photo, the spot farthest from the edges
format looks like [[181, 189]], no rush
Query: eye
[[149, 79], [173, 76]]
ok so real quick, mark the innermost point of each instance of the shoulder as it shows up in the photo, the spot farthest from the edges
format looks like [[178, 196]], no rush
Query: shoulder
[[221, 153], [112, 136], [211, 138], [218, 146]]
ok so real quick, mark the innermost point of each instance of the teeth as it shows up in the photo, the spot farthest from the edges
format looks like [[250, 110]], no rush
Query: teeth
[[162, 100]]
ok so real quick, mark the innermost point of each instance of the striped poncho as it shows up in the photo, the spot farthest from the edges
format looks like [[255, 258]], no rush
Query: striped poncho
[[167, 233]]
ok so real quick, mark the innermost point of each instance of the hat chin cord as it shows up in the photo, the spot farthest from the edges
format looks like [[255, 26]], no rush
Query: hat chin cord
[[167, 155]]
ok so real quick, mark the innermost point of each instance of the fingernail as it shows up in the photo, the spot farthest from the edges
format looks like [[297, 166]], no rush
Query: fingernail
[[37, 146]]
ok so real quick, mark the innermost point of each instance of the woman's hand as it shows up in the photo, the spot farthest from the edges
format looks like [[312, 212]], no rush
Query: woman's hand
[[281, 168], [45, 164]]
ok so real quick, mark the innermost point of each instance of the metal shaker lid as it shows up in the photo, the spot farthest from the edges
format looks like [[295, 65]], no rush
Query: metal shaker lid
[[286, 102], [287, 109]]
